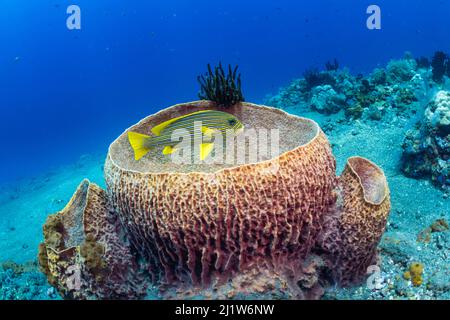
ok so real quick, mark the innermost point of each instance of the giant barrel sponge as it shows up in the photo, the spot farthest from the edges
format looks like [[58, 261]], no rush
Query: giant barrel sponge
[[285, 224]]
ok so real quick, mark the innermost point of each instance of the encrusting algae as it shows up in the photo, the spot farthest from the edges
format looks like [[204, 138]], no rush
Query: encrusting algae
[[93, 252], [53, 231]]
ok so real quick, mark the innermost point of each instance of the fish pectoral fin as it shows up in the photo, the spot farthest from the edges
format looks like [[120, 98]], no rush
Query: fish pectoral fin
[[205, 150], [137, 142], [168, 150]]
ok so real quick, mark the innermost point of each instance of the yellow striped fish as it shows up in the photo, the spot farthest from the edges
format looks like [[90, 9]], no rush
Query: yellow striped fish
[[210, 120]]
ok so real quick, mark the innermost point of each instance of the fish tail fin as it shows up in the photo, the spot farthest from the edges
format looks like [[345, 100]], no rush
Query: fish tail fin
[[138, 143]]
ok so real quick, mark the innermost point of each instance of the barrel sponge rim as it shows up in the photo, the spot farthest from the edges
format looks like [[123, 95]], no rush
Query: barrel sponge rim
[[314, 125], [79, 201], [371, 178]]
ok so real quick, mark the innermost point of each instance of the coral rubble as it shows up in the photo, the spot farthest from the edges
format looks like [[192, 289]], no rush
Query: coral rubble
[[220, 230]]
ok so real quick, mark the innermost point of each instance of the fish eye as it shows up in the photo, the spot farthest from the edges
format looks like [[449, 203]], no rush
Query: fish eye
[[232, 122]]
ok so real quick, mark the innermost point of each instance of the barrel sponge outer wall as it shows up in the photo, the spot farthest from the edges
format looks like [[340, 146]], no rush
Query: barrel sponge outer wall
[[199, 227], [362, 210], [83, 254]]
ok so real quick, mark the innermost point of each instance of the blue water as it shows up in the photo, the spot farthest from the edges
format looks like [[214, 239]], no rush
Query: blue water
[[66, 93]]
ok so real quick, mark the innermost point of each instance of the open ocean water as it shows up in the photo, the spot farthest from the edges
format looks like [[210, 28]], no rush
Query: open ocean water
[[65, 95]]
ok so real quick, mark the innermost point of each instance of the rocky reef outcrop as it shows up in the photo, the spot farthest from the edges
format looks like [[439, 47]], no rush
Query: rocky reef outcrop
[[426, 148], [286, 225], [326, 100]]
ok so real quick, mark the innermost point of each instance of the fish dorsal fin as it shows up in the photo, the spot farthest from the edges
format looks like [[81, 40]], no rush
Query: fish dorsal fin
[[156, 130]]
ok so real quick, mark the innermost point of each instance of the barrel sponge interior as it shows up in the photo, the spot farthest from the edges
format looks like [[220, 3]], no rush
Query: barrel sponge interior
[[372, 178], [293, 132]]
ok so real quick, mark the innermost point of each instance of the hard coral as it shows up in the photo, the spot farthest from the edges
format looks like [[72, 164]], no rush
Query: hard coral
[[401, 70], [295, 93], [287, 220], [325, 100], [378, 77], [438, 114], [426, 149]]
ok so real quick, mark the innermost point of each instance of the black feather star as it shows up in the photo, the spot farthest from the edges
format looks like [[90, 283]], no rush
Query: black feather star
[[223, 89]]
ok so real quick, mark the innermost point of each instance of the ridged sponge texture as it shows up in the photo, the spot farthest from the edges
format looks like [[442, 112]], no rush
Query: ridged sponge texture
[[359, 221], [285, 224], [196, 227], [84, 254]]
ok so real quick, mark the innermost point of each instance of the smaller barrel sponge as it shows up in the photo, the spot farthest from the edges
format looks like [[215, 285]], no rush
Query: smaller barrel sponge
[[362, 207], [284, 226], [84, 255], [426, 148]]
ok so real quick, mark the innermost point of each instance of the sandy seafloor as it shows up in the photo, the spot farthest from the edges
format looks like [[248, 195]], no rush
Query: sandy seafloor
[[416, 204]]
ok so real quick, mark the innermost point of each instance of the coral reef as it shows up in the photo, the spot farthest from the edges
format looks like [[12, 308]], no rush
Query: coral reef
[[332, 65], [423, 62], [440, 66], [398, 71], [401, 90], [426, 148], [197, 228], [315, 78], [396, 90], [325, 100], [223, 89]]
